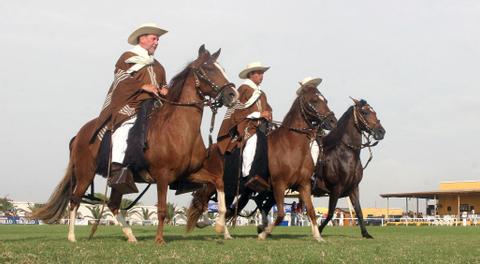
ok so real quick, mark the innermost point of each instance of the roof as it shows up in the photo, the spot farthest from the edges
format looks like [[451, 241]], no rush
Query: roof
[[430, 194]]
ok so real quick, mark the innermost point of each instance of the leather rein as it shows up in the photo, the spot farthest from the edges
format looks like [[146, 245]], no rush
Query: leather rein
[[358, 118]]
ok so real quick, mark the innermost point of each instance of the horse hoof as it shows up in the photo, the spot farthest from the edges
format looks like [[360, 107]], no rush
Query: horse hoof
[[132, 240], [228, 237], [220, 229], [160, 242], [320, 239], [262, 236], [367, 236], [73, 240], [260, 229]]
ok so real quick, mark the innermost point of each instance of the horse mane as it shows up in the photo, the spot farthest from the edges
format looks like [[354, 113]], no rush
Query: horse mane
[[290, 117], [335, 136], [177, 83]]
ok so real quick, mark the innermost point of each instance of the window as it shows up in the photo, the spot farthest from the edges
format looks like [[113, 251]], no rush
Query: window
[[464, 207]]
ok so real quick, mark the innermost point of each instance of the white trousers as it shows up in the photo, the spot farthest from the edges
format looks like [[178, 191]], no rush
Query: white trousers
[[248, 154], [314, 151], [119, 140]]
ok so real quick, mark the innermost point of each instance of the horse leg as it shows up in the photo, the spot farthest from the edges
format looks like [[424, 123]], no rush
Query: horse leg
[[305, 195], [114, 205], [332, 204], [266, 207], [81, 187], [222, 209], [355, 199], [279, 194], [71, 222], [162, 188]]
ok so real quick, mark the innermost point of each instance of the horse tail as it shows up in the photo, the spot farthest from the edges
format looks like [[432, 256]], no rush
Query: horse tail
[[198, 205], [54, 209]]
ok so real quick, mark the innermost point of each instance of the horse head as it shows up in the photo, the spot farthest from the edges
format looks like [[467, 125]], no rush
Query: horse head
[[314, 107], [211, 79], [366, 119]]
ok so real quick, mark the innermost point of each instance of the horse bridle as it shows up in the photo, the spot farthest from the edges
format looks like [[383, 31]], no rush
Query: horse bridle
[[200, 75], [308, 109], [356, 118]]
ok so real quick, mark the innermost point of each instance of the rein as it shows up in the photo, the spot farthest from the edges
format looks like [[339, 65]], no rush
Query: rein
[[213, 103], [368, 144]]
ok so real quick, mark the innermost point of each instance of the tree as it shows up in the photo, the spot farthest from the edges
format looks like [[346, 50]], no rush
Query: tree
[[171, 212], [6, 204], [144, 214], [95, 212]]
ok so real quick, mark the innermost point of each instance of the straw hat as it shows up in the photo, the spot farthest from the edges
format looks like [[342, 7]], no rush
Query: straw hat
[[254, 66], [144, 29], [308, 81]]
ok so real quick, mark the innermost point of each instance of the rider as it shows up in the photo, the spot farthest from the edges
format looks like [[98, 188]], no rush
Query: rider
[[241, 122], [138, 77]]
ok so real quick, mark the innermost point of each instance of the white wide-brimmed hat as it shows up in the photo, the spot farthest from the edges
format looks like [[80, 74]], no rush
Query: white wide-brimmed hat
[[308, 81], [144, 29], [254, 66]]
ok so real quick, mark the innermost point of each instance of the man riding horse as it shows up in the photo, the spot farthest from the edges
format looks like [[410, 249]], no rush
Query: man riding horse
[[138, 77], [245, 122]]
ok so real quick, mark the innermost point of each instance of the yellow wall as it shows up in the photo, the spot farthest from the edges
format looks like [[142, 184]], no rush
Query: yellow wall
[[463, 185], [444, 201]]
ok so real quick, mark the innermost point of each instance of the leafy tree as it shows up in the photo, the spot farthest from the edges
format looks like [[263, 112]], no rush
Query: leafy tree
[[6, 204], [95, 212], [144, 213]]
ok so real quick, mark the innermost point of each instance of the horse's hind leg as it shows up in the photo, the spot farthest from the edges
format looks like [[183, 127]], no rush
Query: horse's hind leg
[[354, 198], [114, 205], [279, 194], [71, 222], [84, 177], [305, 195]]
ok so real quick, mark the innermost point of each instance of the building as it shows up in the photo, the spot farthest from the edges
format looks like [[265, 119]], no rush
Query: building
[[452, 198]]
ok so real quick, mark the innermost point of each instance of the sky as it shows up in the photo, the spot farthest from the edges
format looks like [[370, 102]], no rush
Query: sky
[[415, 61]]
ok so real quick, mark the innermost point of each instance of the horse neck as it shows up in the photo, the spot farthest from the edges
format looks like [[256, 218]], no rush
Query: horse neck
[[351, 134], [180, 118], [296, 121]]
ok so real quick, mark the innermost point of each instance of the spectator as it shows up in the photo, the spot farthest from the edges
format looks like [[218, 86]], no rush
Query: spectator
[[293, 214]]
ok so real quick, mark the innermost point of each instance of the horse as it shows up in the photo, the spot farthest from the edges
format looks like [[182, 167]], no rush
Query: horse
[[342, 170], [290, 163], [176, 148]]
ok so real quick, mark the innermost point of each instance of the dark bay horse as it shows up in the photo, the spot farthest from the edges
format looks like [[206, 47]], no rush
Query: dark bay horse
[[343, 169], [176, 148], [290, 162]]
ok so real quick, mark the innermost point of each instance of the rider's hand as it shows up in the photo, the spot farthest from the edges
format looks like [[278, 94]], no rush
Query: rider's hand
[[267, 115], [163, 91], [150, 88]]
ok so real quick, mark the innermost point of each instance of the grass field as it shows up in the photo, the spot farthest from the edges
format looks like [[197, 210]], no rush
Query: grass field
[[47, 244]]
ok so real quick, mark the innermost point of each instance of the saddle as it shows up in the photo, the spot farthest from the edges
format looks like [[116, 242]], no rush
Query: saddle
[[134, 155]]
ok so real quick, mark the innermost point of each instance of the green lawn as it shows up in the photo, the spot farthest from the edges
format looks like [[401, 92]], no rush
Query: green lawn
[[47, 244]]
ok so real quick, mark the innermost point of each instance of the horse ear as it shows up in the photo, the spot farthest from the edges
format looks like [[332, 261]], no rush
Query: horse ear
[[216, 54], [354, 100], [202, 58], [201, 50]]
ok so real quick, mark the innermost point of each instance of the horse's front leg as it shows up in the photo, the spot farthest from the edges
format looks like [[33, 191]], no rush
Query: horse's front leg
[[162, 188], [354, 198], [220, 226], [305, 195]]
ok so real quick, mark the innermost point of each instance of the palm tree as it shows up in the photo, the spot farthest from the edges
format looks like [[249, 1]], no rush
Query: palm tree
[[95, 211], [171, 212], [144, 214]]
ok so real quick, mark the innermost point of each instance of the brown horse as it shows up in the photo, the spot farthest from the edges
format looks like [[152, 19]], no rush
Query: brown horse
[[343, 169], [290, 163], [176, 147]]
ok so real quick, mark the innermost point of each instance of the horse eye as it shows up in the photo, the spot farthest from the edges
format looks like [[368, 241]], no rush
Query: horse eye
[[365, 113]]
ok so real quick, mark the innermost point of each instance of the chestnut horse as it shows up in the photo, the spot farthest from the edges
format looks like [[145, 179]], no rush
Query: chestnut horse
[[343, 169], [289, 158], [176, 148]]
